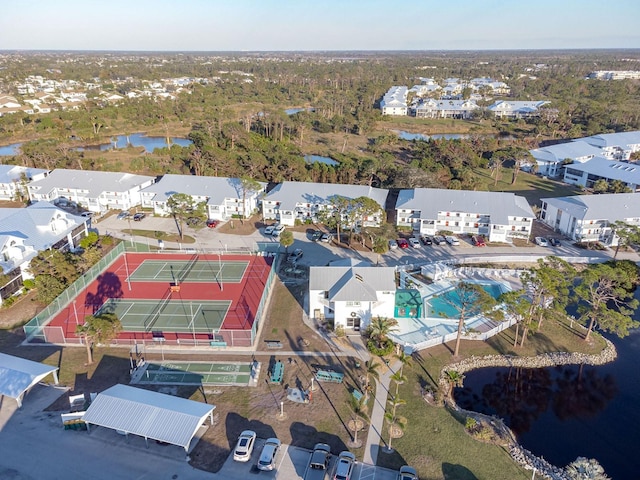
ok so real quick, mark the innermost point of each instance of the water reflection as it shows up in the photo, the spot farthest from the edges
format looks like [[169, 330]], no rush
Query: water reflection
[[521, 396]]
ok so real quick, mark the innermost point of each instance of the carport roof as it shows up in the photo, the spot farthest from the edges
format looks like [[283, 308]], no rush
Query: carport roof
[[17, 375], [148, 414]]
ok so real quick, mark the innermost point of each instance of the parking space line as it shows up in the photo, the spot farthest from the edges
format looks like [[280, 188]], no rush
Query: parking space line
[[284, 453], [367, 471]]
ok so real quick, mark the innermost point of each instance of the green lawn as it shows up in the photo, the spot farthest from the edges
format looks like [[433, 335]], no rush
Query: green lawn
[[434, 441], [528, 185]]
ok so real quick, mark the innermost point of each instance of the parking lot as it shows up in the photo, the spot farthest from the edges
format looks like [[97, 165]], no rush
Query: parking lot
[[321, 253], [292, 463]]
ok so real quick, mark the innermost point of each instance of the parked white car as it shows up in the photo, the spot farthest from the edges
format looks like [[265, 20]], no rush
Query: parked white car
[[542, 241], [451, 240], [414, 242], [244, 447]]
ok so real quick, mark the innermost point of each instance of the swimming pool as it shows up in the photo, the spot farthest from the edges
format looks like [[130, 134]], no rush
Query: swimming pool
[[440, 306]]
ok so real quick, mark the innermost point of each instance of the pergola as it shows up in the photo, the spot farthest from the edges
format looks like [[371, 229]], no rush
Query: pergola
[[18, 375], [151, 415]]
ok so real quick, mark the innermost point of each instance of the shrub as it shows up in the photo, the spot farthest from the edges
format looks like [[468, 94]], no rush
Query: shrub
[[28, 284], [7, 302], [340, 332], [385, 349]]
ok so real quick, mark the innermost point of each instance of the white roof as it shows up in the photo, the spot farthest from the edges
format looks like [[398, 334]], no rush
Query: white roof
[[289, 194], [154, 415], [11, 173], [17, 375], [95, 183], [609, 206], [352, 283], [561, 151], [216, 189], [610, 169], [620, 139], [498, 205]]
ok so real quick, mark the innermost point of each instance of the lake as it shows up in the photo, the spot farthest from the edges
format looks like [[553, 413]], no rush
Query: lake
[[320, 159], [436, 136], [135, 139], [565, 412]]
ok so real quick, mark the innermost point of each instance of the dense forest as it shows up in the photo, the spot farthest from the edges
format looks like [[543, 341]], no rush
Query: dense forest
[[235, 113]]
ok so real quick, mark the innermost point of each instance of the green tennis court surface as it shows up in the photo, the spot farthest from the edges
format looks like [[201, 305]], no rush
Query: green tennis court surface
[[196, 373], [194, 270], [168, 315]]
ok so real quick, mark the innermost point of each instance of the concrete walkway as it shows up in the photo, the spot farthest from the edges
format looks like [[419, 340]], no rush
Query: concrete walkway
[[374, 438]]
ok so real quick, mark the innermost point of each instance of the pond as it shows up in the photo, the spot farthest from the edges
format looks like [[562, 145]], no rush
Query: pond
[[565, 412], [436, 136], [135, 140], [320, 159], [292, 111], [138, 140], [10, 150]]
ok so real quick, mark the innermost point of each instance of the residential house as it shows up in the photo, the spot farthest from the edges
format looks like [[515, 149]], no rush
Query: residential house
[[616, 146], [14, 178], [351, 296], [516, 109], [7, 101], [394, 101], [224, 197], [588, 218], [500, 217], [588, 173], [95, 191], [306, 201], [551, 159], [26, 231]]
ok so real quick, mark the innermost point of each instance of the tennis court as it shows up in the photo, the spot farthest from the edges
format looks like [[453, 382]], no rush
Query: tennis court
[[197, 373], [191, 271], [166, 315]]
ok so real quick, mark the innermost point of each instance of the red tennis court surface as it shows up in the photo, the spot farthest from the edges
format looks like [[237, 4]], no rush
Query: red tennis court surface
[[118, 282]]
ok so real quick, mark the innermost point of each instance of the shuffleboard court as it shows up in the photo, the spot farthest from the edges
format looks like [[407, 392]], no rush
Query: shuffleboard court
[[197, 316], [189, 271], [196, 373]]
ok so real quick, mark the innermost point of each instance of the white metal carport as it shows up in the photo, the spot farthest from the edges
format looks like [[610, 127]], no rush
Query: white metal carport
[[18, 375], [151, 415]]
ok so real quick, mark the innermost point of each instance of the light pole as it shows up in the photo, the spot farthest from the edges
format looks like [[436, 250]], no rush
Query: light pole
[[282, 409]]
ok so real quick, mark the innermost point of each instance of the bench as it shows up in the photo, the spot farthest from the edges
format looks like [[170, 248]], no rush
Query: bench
[[217, 343], [273, 344], [329, 376], [277, 373], [357, 394]]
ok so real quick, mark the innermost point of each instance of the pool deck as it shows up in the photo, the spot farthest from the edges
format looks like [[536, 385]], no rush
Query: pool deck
[[434, 330]]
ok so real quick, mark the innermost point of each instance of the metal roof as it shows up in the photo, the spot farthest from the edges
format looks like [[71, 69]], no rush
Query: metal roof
[[610, 169], [430, 201], [561, 151], [91, 181], [216, 189], [17, 375], [609, 206], [11, 173], [291, 193], [352, 283], [148, 414], [620, 139]]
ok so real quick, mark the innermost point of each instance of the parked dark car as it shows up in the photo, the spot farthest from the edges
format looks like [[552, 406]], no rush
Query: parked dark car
[[316, 235], [554, 242], [212, 223], [138, 216], [426, 239]]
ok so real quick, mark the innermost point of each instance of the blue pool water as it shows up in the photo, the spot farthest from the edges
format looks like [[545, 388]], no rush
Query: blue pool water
[[440, 306]]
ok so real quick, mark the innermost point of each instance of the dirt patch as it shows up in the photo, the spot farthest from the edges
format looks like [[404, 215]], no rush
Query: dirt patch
[[23, 310], [235, 226]]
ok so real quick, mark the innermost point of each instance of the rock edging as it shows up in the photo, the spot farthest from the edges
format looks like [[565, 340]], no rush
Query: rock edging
[[522, 456]]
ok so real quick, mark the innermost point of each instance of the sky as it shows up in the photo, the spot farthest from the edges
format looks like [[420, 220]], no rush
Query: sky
[[316, 25]]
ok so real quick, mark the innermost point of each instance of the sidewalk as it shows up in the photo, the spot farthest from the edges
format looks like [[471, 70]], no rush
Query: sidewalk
[[376, 428]]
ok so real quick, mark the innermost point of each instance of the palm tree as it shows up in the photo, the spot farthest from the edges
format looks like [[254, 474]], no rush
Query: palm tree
[[454, 379], [359, 410], [586, 469], [404, 360], [394, 422], [380, 328], [370, 370], [399, 379]]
